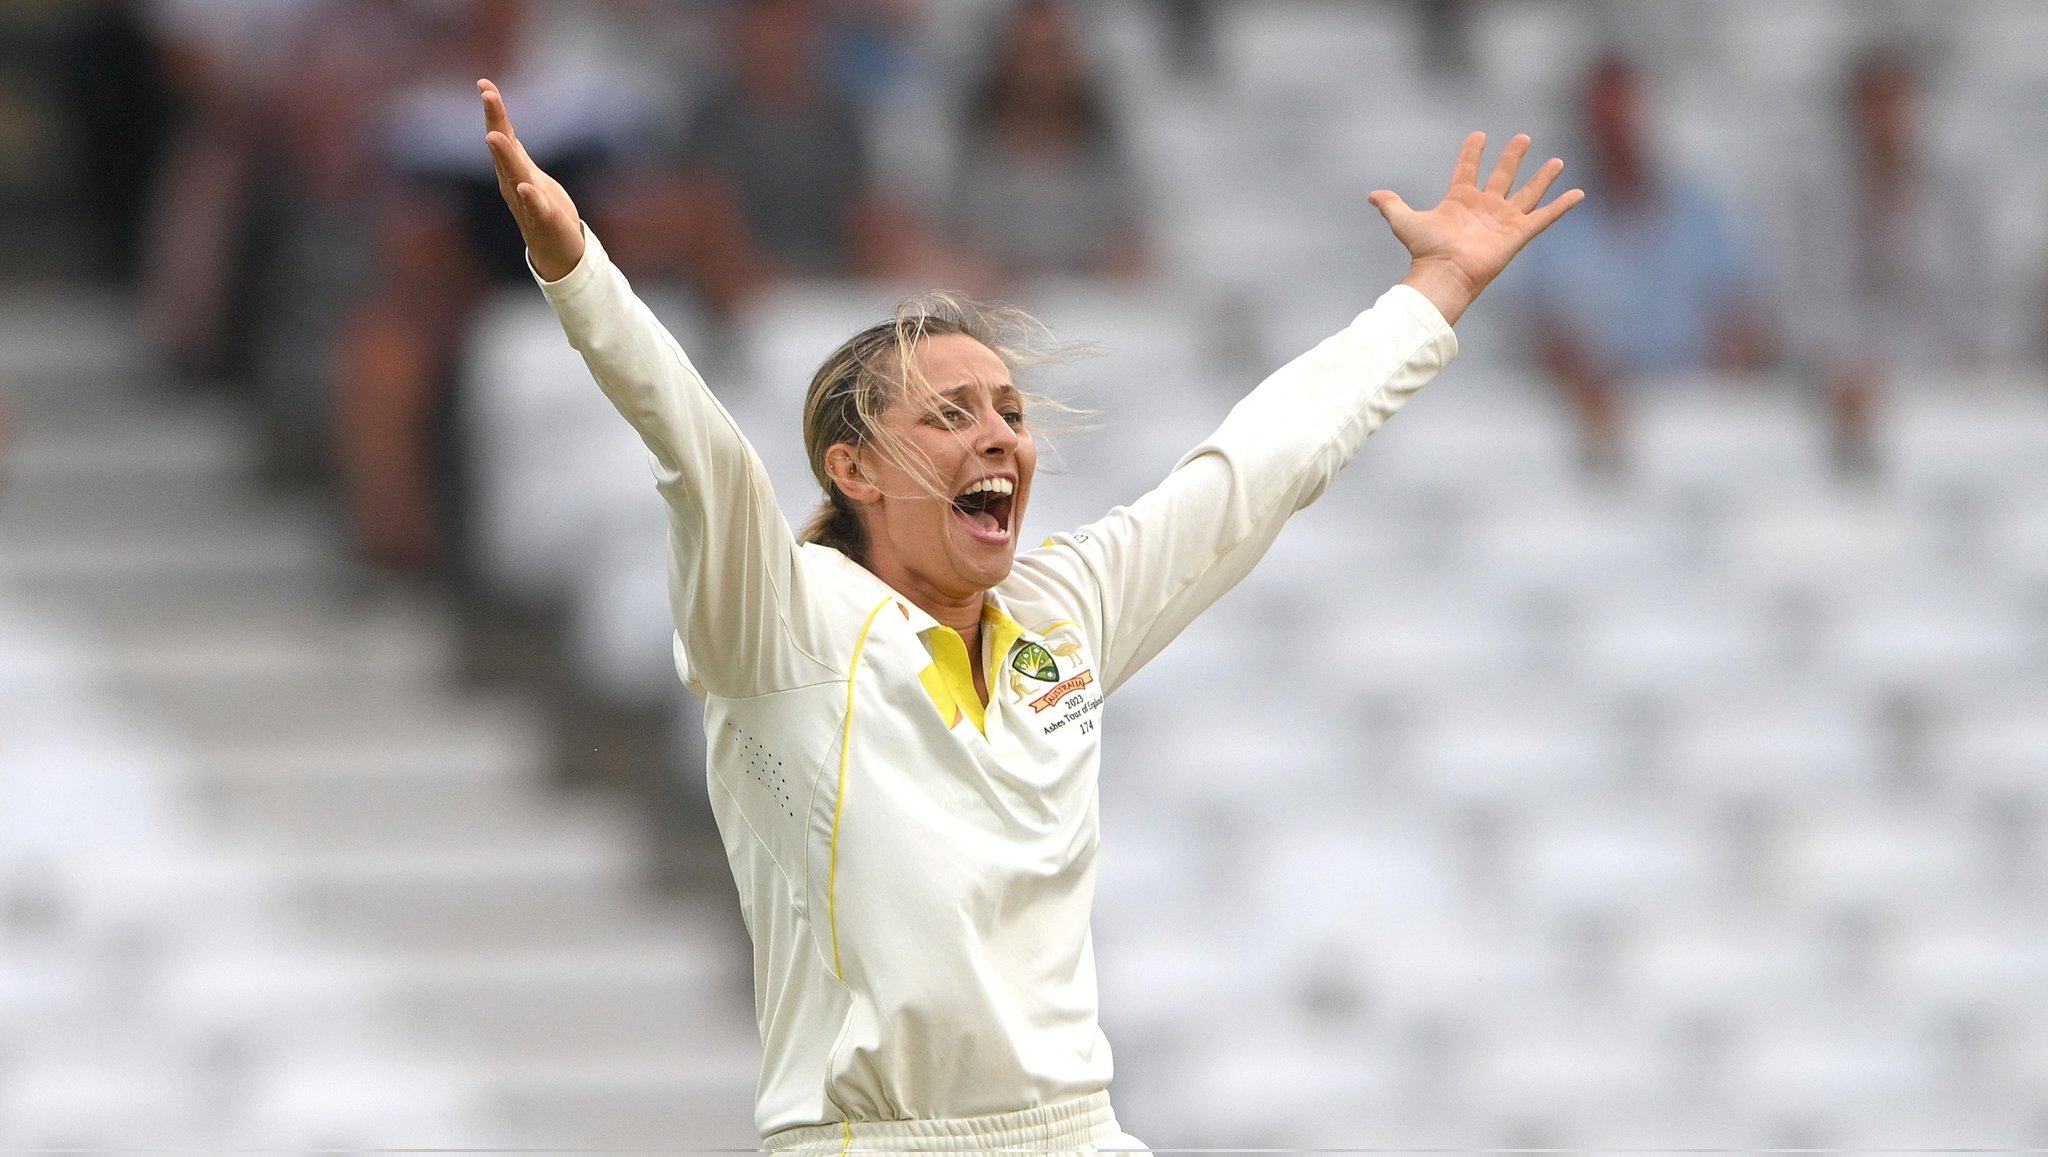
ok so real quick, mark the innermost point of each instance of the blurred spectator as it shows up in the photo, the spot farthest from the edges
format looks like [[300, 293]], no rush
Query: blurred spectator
[[1447, 34], [1190, 29], [1885, 256], [1646, 277], [319, 256], [872, 45], [1045, 186], [779, 161], [437, 236], [122, 104], [224, 62]]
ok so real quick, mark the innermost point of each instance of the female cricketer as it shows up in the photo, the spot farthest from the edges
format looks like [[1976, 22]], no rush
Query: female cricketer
[[903, 711]]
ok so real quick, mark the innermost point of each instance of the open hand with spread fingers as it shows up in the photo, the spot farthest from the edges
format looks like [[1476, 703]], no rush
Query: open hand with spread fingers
[[1461, 245], [547, 217]]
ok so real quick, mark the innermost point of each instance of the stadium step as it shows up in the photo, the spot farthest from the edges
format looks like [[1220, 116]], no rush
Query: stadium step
[[505, 920]]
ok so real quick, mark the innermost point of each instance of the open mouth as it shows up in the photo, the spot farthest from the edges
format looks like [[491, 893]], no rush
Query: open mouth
[[985, 508]]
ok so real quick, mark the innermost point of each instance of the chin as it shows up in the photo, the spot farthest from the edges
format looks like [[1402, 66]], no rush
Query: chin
[[985, 569], [985, 558]]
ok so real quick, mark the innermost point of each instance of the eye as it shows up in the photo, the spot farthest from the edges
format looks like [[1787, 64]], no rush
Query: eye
[[1014, 415], [949, 417]]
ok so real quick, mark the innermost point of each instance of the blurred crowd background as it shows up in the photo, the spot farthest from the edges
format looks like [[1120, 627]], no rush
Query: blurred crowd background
[[1645, 745]]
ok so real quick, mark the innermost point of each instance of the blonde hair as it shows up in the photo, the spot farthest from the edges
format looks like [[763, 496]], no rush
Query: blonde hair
[[873, 368]]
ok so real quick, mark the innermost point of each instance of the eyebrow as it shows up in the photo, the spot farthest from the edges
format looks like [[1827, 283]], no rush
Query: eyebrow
[[953, 395]]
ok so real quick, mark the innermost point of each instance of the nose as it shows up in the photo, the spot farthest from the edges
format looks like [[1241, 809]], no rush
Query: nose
[[995, 438]]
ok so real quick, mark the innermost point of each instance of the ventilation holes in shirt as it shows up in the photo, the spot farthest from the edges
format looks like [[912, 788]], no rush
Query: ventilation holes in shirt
[[763, 768]]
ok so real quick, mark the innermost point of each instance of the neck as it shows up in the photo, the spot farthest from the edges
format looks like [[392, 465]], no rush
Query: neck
[[960, 611], [962, 614]]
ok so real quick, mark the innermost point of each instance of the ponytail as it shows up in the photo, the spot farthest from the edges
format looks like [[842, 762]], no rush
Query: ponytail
[[835, 524]]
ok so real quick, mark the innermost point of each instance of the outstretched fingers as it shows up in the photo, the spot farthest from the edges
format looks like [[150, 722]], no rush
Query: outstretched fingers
[[495, 117], [1547, 216], [508, 158], [508, 155], [1510, 163], [1466, 174], [1531, 194]]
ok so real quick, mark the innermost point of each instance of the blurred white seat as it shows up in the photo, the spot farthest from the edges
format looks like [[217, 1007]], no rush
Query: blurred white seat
[[1769, 740], [785, 333], [2019, 538], [1996, 739], [1936, 632], [1811, 536], [621, 626], [1136, 340], [1998, 44], [1672, 633], [1569, 538], [1779, 46], [362, 1095], [1533, 54], [1528, 747], [91, 1102], [1611, 860], [548, 451], [1334, 869], [1403, 633], [1692, 963], [1976, 958], [1725, 435], [265, 992], [1150, 979], [1254, 235], [1315, 46], [1474, 434], [1823, 1062], [1456, 968], [1972, 431], [1297, 1090], [1556, 1066], [1240, 761], [1868, 857]]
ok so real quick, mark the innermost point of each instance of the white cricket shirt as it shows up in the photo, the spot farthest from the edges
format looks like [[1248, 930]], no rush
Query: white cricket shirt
[[916, 871]]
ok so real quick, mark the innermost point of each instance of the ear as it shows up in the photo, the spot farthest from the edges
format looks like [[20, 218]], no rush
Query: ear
[[843, 464]]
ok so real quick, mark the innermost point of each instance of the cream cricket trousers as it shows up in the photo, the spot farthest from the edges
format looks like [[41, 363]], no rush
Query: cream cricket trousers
[[1083, 1126]]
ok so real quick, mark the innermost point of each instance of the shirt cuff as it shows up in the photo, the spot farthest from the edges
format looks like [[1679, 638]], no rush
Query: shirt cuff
[[1417, 305]]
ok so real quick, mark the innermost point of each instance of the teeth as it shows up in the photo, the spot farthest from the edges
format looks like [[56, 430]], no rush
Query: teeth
[[992, 486]]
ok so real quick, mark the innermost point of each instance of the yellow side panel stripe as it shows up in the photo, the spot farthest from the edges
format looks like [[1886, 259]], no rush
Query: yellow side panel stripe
[[839, 804]]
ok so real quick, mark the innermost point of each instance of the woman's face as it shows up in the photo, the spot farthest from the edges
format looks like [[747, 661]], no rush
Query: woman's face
[[942, 493]]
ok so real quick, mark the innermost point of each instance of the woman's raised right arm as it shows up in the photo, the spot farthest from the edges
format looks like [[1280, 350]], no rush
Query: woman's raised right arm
[[734, 576]]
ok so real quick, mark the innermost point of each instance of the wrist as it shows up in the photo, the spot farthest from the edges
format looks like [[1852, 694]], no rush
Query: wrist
[[557, 259], [1447, 287]]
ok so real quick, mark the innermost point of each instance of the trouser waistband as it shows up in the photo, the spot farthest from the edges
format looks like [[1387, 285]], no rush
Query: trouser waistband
[[1068, 1126]]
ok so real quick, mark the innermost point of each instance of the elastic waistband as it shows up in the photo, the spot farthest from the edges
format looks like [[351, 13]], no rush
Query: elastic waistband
[[1068, 1126]]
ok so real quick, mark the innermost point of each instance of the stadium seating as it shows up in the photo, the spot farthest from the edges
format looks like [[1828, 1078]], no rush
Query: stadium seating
[[1505, 805]]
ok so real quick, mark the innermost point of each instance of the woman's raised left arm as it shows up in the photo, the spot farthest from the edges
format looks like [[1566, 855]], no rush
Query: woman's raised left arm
[[1154, 565]]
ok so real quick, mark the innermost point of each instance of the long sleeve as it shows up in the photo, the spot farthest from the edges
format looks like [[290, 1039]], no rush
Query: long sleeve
[[1156, 564], [734, 570]]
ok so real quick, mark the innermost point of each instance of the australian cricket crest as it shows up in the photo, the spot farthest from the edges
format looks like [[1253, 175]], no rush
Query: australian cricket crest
[[1035, 662]]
